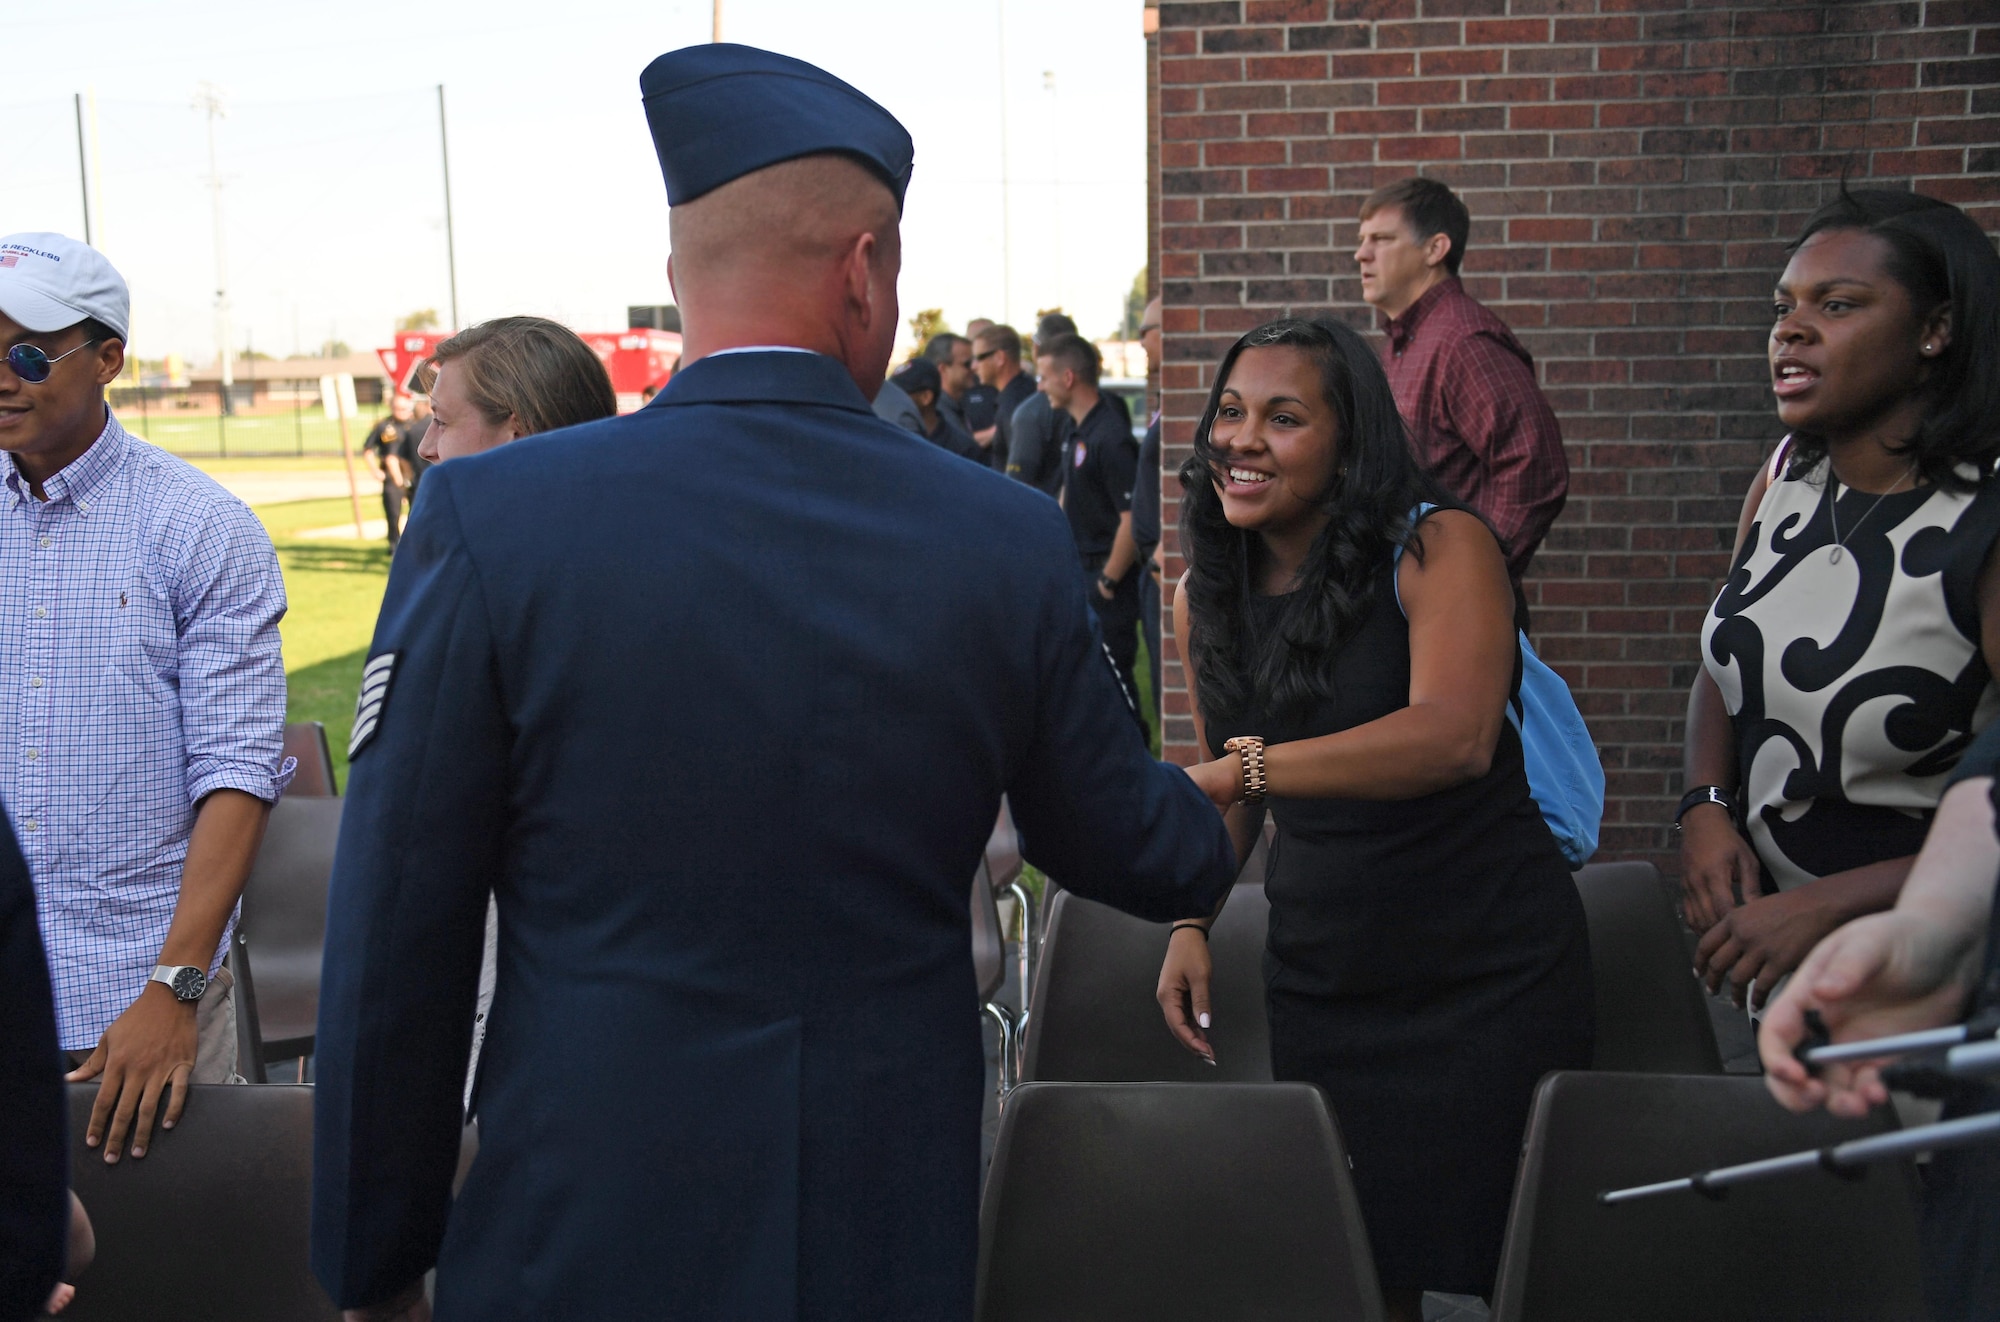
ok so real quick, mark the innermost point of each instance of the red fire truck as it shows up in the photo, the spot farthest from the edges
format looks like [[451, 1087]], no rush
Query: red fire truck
[[635, 358]]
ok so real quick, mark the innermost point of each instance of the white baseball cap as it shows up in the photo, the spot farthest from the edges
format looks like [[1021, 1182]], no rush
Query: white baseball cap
[[49, 282]]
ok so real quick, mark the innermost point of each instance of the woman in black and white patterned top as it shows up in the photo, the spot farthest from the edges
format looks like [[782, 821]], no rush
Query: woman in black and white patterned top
[[1849, 657]]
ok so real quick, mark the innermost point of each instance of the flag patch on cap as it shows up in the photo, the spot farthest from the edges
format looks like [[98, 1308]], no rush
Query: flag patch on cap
[[373, 702], [10, 259]]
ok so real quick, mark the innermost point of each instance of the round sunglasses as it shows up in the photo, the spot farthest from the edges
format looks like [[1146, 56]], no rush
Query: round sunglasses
[[33, 366]]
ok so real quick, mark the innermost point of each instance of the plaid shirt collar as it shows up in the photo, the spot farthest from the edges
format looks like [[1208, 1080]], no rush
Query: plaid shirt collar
[[1400, 329], [82, 476]]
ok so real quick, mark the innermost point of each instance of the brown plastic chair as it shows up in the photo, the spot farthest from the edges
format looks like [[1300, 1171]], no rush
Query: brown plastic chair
[[1815, 1246], [1096, 1018], [275, 955], [306, 741], [1166, 1202], [213, 1221], [1651, 1014]]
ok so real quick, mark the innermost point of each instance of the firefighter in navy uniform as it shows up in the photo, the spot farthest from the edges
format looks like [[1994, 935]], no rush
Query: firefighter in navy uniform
[[718, 700]]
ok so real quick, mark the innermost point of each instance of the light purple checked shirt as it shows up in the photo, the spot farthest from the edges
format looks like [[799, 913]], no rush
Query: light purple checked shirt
[[139, 610]]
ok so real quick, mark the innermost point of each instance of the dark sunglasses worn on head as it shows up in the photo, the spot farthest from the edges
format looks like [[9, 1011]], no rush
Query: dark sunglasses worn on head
[[33, 366]]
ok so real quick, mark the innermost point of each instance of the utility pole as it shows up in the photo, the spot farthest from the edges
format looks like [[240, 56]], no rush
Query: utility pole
[[83, 169], [209, 99], [1006, 193], [450, 241], [715, 27]]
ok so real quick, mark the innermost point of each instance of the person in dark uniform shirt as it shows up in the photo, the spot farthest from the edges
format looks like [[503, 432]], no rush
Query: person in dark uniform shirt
[[981, 401], [1146, 509], [919, 379], [383, 451], [1039, 436], [34, 1157], [1102, 460], [996, 358], [719, 699]]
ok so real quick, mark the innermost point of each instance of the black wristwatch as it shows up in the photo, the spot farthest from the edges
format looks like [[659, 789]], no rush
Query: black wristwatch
[[1701, 794], [1105, 581]]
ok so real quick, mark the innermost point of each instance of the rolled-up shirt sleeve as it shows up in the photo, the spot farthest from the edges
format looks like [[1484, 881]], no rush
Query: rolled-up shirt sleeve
[[228, 596]]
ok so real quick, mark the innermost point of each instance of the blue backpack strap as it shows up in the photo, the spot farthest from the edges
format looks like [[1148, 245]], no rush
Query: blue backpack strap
[[1417, 516]]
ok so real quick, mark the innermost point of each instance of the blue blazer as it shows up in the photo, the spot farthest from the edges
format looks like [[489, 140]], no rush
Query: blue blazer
[[719, 699], [34, 1159]]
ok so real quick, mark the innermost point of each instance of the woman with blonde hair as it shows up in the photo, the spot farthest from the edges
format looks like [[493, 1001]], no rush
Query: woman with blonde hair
[[508, 378]]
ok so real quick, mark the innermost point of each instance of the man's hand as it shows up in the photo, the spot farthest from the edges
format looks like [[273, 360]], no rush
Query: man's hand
[[1183, 991], [1105, 589], [1763, 940], [1894, 972], [1717, 864], [146, 1050], [408, 1305]]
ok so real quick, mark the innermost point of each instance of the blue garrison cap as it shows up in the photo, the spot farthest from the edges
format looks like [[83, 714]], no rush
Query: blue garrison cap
[[720, 111]]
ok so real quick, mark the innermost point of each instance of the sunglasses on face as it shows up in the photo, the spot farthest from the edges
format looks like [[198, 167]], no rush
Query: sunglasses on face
[[33, 366], [982, 357]]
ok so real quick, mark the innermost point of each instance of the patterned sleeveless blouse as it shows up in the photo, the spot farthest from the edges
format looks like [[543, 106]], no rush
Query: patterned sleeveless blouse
[[1852, 673]]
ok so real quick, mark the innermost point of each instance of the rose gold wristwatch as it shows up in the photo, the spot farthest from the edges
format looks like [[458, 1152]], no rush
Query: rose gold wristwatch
[[1250, 748]]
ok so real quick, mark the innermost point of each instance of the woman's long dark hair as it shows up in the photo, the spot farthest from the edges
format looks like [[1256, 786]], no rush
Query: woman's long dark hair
[[1938, 255], [1368, 507]]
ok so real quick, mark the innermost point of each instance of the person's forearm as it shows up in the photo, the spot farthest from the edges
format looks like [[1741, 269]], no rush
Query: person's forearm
[[1861, 891], [1414, 751], [1952, 881], [228, 828], [1124, 550], [985, 437]]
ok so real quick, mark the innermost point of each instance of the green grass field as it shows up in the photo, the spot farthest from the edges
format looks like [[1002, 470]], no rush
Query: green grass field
[[189, 434]]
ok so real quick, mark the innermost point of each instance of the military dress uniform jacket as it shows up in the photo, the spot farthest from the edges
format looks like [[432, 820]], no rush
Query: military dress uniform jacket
[[703, 696]]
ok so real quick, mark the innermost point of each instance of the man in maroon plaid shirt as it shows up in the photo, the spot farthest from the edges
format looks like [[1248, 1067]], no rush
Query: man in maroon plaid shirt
[[1465, 386]]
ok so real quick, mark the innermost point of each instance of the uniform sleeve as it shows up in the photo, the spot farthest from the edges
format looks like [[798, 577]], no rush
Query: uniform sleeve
[[420, 849], [1028, 442], [1494, 404], [228, 598], [1145, 504], [1095, 810]]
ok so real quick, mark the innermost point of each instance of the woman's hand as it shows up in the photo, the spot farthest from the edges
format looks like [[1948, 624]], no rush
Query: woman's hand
[[1717, 864], [1221, 780], [1894, 972], [1764, 939], [1183, 992]]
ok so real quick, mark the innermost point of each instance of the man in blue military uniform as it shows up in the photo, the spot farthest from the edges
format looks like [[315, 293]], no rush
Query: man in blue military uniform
[[707, 698]]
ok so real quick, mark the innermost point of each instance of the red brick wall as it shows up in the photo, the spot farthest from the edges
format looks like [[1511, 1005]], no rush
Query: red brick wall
[[1633, 168]]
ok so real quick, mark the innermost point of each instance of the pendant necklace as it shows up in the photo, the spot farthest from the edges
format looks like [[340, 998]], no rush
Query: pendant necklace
[[1833, 511]]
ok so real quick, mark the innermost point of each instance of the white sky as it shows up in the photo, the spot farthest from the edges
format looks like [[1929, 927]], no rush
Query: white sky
[[334, 210]]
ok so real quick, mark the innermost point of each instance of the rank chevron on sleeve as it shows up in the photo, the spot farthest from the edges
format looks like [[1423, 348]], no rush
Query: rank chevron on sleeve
[[374, 699]]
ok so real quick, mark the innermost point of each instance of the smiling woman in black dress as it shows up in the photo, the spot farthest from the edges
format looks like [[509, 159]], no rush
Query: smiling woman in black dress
[[1427, 961]]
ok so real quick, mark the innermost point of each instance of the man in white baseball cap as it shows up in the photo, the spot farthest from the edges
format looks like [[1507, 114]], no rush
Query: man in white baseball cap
[[139, 755]]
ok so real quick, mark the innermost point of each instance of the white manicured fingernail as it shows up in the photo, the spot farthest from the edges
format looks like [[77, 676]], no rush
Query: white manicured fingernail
[[1201, 1019]]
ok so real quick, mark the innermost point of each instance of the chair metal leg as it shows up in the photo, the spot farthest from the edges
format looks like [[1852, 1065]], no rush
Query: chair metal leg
[[1003, 1020], [249, 1031], [1030, 939]]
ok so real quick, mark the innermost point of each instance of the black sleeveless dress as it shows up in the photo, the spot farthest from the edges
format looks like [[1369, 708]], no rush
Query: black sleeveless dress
[[1427, 964]]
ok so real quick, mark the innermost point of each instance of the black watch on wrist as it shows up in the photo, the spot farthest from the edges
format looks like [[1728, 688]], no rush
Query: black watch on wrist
[[1105, 581], [1701, 794]]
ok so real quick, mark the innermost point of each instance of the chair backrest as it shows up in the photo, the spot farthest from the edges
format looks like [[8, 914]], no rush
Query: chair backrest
[[1096, 1019], [1651, 1014], [989, 946], [306, 741], [284, 916], [1811, 1246], [1165, 1201], [1003, 849], [213, 1221]]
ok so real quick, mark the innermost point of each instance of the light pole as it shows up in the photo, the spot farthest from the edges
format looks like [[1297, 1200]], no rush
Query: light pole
[[209, 98], [450, 240], [1006, 193], [715, 26]]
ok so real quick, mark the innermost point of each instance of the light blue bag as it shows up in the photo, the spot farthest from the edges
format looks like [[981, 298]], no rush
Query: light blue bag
[[1564, 774]]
